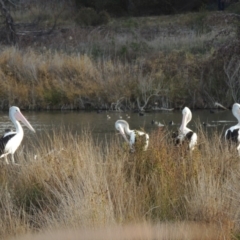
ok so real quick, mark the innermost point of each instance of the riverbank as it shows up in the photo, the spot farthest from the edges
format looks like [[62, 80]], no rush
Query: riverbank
[[130, 63]]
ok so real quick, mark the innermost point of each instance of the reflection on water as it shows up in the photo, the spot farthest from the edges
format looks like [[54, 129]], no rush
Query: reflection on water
[[102, 124]]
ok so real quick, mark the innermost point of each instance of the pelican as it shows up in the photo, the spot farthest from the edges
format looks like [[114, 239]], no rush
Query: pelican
[[186, 133], [11, 140], [233, 132], [123, 127]]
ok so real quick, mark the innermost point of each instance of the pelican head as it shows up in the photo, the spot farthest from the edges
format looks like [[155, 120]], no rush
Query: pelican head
[[16, 115], [236, 111], [123, 127], [187, 116]]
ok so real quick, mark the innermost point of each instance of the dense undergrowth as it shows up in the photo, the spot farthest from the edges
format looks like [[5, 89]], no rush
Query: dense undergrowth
[[69, 181], [129, 63]]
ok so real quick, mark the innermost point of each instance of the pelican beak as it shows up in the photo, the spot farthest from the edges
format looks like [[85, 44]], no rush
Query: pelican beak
[[20, 117], [184, 121], [121, 131]]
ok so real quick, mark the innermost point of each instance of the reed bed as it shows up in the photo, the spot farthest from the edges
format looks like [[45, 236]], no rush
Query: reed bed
[[71, 182]]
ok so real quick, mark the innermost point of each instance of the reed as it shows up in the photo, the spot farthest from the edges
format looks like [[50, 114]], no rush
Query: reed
[[67, 180]]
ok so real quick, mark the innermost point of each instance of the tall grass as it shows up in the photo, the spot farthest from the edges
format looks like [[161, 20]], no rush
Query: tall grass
[[70, 181], [56, 80]]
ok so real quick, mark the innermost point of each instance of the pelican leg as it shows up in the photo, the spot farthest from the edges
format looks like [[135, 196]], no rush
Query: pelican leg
[[132, 149], [238, 149], [13, 160], [6, 160]]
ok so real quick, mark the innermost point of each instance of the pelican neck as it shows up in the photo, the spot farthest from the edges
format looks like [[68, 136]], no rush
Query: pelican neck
[[17, 125]]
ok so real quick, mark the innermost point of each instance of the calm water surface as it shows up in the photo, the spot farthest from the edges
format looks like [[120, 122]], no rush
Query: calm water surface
[[101, 126]]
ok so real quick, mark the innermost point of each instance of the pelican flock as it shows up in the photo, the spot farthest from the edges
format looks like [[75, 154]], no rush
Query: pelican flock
[[233, 133], [184, 132], [11, 140], [123, 127]]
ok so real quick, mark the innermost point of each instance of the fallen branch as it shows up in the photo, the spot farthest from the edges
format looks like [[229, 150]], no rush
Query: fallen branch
[[220, 105], [162, 109]]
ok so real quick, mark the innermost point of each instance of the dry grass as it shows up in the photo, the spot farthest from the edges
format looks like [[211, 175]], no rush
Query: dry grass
[[47, 80], [78, 68], [76, 183], [190, 231]]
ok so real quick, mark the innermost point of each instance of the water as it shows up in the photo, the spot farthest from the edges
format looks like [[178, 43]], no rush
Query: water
[[101, 126]]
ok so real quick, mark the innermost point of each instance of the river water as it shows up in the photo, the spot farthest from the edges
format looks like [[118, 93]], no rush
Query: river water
[[101, 126]]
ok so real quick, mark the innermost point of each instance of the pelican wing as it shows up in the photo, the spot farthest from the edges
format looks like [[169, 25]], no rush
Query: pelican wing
[[189, 135], [3, 142], [232, 135], [138, 136], [192, 139]]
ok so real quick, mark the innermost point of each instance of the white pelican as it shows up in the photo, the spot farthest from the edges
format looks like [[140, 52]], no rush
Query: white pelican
[[11, 140], [233, 132], [123, 127], [186, 133]]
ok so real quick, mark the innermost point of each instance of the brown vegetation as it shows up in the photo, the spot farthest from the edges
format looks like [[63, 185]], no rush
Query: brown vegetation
[[127, 63], [71, 182]]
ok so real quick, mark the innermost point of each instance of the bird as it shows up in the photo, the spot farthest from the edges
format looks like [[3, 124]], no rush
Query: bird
[[211, 111], [171, 123], [123, 127], [233, 133], [157, 123], [186, 133], [11, 140], [205, 124]]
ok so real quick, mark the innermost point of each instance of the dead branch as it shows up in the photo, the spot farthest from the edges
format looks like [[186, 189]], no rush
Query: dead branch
[[146, 100], [162, 109], [220, 105], [117, 106]]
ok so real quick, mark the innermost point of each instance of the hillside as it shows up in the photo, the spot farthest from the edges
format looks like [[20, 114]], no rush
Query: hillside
[[127, 63]]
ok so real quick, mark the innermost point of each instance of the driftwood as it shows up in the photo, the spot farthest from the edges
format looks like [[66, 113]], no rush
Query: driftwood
[[163, 109], [220, 105]]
